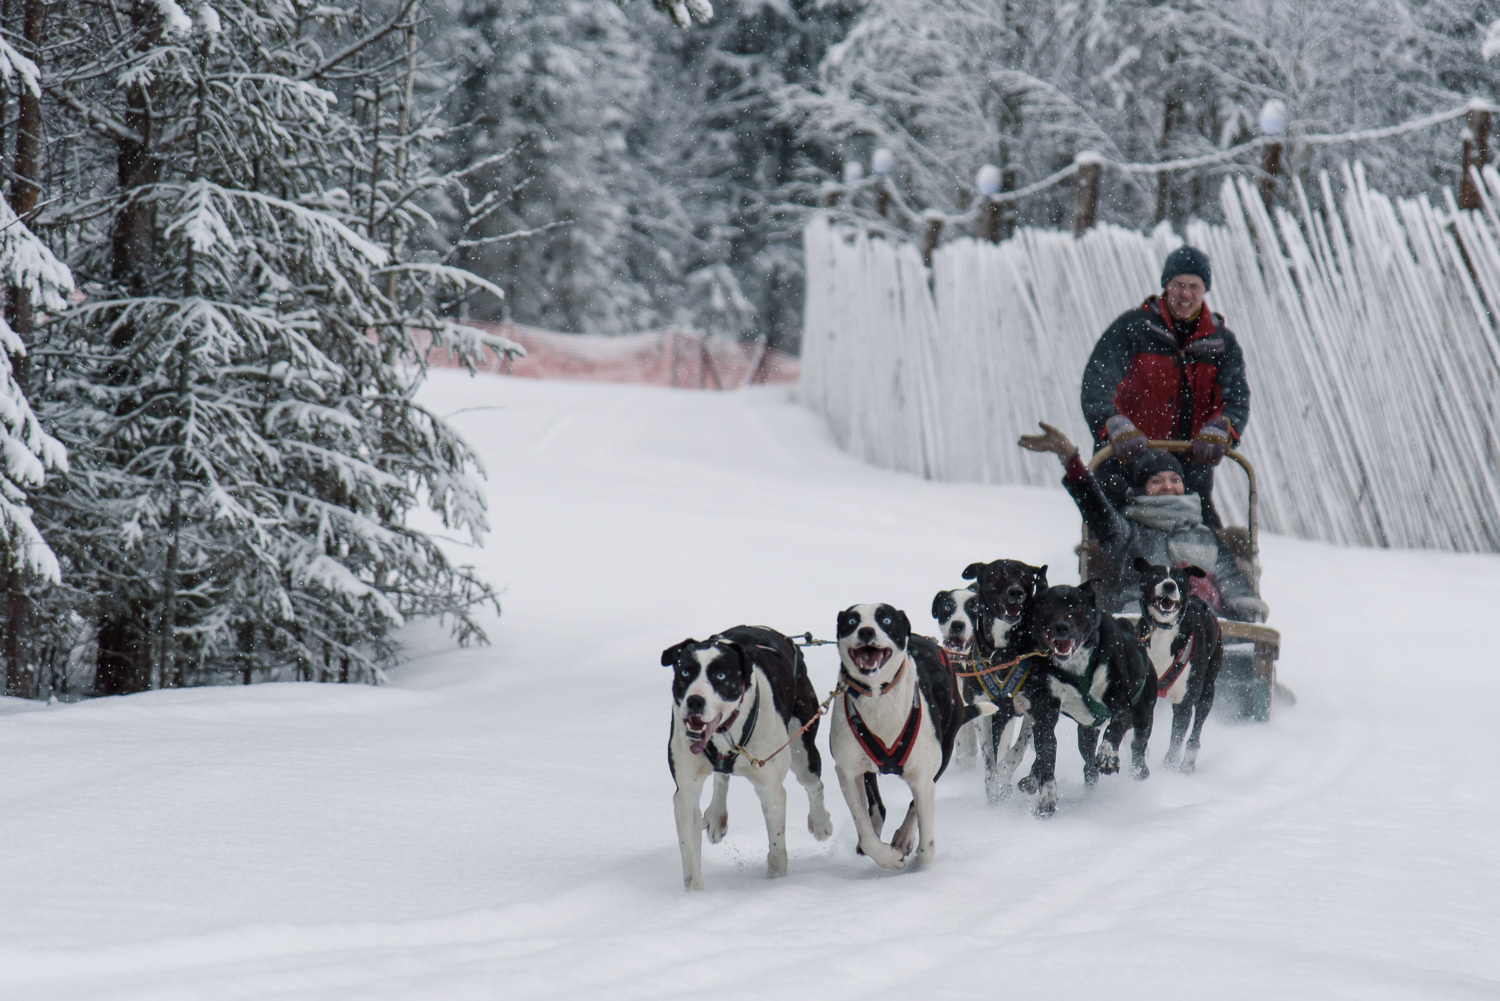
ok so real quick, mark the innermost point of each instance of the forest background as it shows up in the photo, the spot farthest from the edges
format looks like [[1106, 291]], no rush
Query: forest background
[[225, 221]]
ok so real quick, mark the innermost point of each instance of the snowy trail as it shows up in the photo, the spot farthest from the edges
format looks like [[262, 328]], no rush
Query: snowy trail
[[497, 822]]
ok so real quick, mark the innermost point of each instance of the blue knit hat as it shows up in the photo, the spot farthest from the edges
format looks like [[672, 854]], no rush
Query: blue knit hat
[[1187, 260]]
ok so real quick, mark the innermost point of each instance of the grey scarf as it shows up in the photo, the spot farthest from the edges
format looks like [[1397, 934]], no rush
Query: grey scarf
[[1166, 512]]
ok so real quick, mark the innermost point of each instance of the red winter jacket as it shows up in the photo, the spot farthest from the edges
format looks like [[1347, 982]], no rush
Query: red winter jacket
[[1137, 369]]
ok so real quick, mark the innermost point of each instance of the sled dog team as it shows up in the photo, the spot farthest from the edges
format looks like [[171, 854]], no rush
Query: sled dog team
[[1012, 649]]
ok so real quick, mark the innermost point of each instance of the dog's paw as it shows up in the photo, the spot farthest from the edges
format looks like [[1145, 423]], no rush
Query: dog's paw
[[1172, 756], [1027, 785], [1139, 771], [1189, 763], [716, 824], [998, 792], [1107, 760], [1090, 774], [776, 864], [905, 838], [693, 884], [887, 857], [820, 824], [1046, 804]]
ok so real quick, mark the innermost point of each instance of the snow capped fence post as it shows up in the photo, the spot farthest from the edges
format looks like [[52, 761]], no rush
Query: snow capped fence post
[[1273, 127], [1369, 330], [988, 182]]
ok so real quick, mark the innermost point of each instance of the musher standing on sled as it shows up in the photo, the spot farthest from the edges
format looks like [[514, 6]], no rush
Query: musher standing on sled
[[1169, 369]]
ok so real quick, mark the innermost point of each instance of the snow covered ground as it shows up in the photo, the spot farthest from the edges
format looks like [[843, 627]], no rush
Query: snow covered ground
[[496, 823]]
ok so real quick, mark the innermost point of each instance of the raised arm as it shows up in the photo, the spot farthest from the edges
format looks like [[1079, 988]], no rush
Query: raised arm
[[1106, 523]]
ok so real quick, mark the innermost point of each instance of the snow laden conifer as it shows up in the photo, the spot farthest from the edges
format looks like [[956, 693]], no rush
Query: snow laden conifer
[[27, 453], [33, 279], [237, 387]]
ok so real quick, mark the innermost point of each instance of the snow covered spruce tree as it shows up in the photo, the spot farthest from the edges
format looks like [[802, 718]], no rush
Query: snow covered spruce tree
[[237, 388], [32, 278]]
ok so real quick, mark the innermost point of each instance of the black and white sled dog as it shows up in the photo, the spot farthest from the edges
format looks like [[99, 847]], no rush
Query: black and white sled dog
[[956, 610], [1002, 635], [1095, 672], [899, 714], [741, 694], [1181, 637]]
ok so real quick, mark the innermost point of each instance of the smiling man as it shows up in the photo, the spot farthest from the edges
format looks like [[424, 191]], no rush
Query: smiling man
[[1170, 368]]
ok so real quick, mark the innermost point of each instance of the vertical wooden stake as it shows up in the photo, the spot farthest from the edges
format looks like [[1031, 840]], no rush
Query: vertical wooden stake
[[1270, 169], [1476, 155], [1086, 192], [988, 227], [932, 235]]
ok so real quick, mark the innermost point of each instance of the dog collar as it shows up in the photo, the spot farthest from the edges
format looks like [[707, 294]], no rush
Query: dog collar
[[725, 762], [860, 688]]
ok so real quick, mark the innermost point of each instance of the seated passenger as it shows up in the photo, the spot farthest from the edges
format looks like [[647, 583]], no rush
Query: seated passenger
[[1161, 523]]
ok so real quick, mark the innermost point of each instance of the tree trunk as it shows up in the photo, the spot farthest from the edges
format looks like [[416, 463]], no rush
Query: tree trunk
[[124, 662]]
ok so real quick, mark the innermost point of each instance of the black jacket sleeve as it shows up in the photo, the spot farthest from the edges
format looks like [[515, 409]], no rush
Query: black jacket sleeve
[[1233, 385], [1105, 370], [1105, 523]]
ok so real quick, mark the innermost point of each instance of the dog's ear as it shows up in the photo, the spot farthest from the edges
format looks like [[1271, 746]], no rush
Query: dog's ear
[[1090, 589], [669, 655], [1193, 571], [1040, 573], [973, 570], [937, 604], [1142, 565], [903, 623]]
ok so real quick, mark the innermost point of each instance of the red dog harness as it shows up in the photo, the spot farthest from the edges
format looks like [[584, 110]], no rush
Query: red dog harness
[[1179, 664], [890, 760]]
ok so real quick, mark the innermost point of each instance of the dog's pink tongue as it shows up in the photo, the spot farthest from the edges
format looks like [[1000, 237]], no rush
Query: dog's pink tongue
[[698, 745]]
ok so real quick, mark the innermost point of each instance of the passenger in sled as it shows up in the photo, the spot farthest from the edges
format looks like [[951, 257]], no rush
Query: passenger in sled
[[1161, 521]]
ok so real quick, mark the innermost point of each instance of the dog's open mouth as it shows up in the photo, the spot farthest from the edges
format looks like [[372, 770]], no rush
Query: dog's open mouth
[[871, 658], [1063, 648], [700, 731], [957, 642], [1164, 606]]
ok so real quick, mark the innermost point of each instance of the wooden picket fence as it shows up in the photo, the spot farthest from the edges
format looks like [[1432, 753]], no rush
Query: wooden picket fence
[[1371, 332]]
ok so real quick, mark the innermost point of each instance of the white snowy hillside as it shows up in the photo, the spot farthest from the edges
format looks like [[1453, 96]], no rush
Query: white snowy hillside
[[497, 822]]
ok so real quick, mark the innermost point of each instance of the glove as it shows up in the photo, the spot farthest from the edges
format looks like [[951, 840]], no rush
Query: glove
[[1053, 441], [1127, 439], [1212, 441], [1250, 609]]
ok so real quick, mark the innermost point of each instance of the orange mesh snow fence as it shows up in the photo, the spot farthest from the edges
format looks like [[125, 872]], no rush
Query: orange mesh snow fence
[[668, 357]]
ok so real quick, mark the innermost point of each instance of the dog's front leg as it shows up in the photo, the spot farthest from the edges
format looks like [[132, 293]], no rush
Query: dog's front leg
[[853, 787], [771, 788], [818, 821], [1142, 717], [1043, 778], [1015, 749], [924, 805], [1182, 715], [966, 747], [690, 828], [905, 838], [1200, 716], [1097, 758], [716, 820]]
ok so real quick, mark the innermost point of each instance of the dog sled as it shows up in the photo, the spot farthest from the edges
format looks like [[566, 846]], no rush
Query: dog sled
[[1247, 685]]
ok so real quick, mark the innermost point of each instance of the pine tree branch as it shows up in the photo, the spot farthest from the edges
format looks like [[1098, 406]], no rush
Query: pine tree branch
[[396, 21]]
